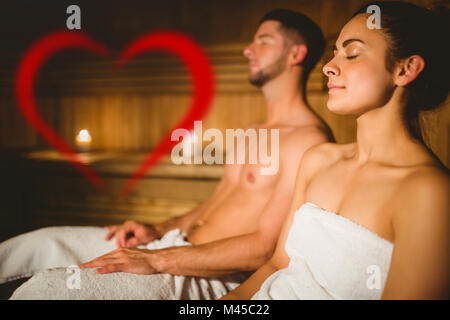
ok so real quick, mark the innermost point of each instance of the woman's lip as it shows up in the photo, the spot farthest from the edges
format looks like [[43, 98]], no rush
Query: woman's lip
[[334, 88]]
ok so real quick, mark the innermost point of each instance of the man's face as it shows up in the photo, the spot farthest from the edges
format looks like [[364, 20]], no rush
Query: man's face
[[267, 53]]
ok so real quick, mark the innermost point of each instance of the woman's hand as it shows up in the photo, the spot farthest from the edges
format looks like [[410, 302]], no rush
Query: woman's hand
[[131, 234]]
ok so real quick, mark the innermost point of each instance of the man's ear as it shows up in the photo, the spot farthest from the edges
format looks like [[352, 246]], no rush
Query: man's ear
[[408, 70], [298, 53]]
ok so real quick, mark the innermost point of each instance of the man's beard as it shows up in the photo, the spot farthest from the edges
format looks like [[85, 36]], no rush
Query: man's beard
[[268, 73]]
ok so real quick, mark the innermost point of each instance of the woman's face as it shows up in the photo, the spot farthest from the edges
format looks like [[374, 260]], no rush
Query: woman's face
[[358, 80]]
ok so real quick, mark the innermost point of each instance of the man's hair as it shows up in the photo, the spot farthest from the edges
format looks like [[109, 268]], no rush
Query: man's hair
[[305, 31]]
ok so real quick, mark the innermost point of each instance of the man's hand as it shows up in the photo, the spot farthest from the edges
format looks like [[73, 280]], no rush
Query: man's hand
[[131, 234], [138, 261]]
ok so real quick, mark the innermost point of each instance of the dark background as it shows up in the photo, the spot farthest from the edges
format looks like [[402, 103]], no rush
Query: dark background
[[127, 111]]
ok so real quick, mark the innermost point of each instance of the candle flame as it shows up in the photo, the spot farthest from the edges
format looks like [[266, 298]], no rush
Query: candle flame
[[84, 136]]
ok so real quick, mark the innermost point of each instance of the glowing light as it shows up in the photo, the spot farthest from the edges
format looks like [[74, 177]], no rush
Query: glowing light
[[83, 140], [84, 136]]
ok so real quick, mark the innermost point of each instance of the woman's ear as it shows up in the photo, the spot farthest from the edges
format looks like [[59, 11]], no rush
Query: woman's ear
[[298, 53], [408, 70]]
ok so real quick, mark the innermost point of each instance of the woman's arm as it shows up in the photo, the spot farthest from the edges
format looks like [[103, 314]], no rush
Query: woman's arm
[[247, 289], [420, 261]]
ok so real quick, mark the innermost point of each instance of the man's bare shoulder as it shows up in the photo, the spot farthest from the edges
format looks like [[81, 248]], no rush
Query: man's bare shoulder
[[305, 137], [294, 142]]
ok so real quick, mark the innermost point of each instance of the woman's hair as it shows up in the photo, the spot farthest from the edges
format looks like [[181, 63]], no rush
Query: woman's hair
[[413, 30]]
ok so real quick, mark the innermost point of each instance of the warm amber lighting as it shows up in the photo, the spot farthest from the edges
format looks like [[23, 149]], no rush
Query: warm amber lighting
[[83, 140]]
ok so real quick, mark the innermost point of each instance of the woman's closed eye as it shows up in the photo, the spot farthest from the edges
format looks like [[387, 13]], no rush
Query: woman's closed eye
[[351, 57]]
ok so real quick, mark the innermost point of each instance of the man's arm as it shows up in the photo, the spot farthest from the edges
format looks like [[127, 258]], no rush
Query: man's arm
[[131, 234], [183, 222], [245, 252], [240, 253], [226, 256]]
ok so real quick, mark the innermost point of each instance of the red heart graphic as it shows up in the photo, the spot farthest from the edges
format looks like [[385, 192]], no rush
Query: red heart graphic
[[191, 54]]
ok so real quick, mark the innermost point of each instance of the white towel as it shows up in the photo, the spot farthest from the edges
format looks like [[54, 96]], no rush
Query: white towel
[[59, 283], [31, 252], [331, 257]]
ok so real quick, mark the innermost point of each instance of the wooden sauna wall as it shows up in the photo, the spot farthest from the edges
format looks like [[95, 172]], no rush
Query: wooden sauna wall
[[131, 108]]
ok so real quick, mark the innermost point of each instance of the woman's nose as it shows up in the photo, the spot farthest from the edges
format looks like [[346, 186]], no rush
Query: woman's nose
[[330, 69]]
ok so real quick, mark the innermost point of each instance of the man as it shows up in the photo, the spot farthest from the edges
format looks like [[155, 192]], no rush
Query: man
[[236, 229]]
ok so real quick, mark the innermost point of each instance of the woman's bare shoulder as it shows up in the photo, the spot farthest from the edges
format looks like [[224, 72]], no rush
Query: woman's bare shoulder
[[432, 177], [322, 156], [328, 153], [424, 193]]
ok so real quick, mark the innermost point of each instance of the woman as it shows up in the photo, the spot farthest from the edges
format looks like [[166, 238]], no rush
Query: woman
[[374, 215]]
